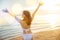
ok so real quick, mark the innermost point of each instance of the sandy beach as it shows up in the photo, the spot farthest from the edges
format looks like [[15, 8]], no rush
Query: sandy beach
[[44, 35]]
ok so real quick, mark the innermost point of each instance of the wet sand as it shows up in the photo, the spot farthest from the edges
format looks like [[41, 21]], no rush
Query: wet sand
[[44, 35]]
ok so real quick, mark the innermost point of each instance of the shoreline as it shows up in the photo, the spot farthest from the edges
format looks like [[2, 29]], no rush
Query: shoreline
[[44, 35]]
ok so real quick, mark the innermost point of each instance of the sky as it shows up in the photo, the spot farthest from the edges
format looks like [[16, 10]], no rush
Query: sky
[[18, 5], [12, 5]]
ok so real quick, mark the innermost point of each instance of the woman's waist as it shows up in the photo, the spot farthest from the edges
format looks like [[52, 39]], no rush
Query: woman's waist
[[26, 30]]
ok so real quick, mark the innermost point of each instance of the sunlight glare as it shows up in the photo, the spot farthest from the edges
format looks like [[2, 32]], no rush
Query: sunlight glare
[[51, 18], [49, 5], [16, 8]]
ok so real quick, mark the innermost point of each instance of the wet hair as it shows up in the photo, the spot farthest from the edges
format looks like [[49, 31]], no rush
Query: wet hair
[[28, 15]]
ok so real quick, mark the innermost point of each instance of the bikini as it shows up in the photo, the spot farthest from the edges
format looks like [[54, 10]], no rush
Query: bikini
[[26, 36]]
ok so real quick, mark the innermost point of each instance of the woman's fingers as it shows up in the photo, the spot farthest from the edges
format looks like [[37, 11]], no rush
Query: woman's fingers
[[41, 3], [5, 10]]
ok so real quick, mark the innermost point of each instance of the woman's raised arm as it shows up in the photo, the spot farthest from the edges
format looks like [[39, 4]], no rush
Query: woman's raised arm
[[36, 10], [8, 12], [11, 14]]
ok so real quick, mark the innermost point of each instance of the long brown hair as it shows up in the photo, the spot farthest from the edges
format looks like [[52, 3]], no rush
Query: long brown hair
[[28, 15]]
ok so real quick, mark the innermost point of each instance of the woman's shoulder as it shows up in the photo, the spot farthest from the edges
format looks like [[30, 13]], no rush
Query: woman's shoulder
[[23, 23]]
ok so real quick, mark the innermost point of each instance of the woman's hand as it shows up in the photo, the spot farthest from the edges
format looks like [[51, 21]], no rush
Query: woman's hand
[[41, 3], [8, 12], [5, 10]]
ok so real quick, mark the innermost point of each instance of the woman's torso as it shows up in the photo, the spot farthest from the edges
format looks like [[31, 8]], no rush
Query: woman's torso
[[26, 27]]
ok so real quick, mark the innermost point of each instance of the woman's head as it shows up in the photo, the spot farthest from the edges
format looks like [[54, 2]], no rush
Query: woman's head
[[27, 17]]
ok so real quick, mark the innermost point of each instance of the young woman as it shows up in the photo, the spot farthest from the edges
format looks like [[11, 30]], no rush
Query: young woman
[[26, 23]]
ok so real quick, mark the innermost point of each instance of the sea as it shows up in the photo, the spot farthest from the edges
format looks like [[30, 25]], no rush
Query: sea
[[10, 31]]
